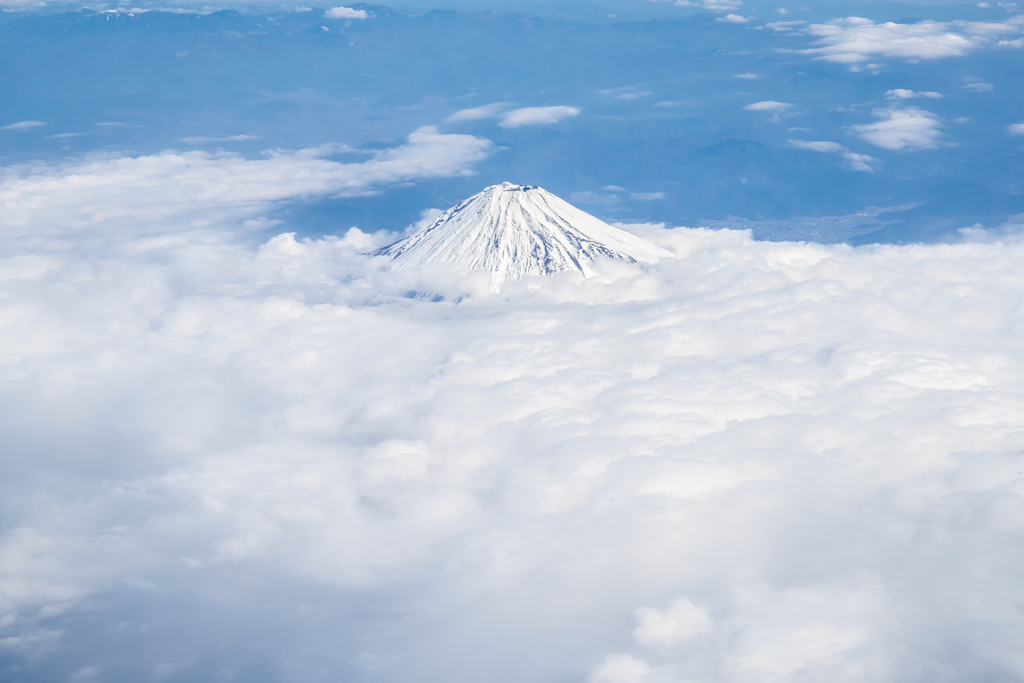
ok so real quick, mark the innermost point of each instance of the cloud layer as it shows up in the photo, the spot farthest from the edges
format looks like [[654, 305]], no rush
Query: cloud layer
[[198, 188], [753, 462]]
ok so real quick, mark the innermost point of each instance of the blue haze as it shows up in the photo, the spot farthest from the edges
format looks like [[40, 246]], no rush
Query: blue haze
[[122, 82]]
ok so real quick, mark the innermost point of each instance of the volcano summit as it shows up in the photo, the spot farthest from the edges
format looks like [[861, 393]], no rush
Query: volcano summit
[[517, 230]]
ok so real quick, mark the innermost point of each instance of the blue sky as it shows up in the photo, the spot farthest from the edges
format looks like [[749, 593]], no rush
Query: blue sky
[[237, 449]]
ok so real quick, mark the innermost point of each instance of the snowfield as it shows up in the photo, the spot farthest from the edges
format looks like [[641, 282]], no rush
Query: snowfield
[[516, 230]]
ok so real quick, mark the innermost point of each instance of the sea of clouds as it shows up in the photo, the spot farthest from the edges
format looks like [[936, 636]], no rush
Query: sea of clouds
[[755, 462]]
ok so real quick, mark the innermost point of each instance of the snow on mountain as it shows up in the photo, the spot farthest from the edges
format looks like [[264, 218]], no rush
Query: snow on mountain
[[516, 230]]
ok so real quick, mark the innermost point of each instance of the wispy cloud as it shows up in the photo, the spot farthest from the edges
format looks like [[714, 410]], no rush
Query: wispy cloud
[[1015, 129], [488, 111], [625, 93], [537, 116], [902, 94], [21, 126], [785, 26], [588, 197], [713, 5], [21, 5], [526, 116], [767, 105], [196, 140], [614, 194], [857, 162]]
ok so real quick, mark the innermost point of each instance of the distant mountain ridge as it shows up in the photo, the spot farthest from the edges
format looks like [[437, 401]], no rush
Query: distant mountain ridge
[[518, 230]]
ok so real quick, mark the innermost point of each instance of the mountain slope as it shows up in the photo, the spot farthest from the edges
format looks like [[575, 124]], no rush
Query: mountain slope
[[516, 230]]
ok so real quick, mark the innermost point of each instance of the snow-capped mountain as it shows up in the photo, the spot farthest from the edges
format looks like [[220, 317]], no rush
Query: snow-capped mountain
[[516, 230]]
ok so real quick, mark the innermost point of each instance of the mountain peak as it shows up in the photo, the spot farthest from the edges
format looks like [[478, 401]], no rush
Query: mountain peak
[[517, 230]]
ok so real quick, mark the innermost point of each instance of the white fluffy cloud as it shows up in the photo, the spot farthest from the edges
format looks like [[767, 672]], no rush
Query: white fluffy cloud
[[909, 129], [756, 461], [733, 19], [345, 13], [487, 111], [1015, 129], [858, 162], [854, 39]]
